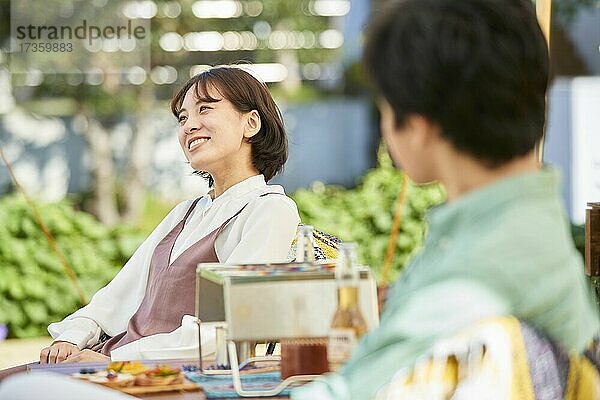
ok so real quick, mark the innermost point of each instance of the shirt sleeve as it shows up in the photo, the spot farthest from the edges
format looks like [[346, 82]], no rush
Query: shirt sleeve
[[407, 331], [181, 343], [112, 306], [268, 231]]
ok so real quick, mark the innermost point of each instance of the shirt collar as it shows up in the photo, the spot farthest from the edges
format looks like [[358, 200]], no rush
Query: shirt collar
[[473, 206], [241, 188]]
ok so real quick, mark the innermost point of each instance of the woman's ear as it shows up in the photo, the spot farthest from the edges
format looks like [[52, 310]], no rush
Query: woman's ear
[[253, 124]]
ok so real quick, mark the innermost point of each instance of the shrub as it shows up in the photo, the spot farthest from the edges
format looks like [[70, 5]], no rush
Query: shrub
[[34, 289], [364, 214]]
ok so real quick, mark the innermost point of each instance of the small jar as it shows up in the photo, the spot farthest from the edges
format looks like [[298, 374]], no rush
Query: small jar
[[303, 356]]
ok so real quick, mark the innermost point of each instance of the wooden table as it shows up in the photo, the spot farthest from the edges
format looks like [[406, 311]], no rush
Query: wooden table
[[67, 368]]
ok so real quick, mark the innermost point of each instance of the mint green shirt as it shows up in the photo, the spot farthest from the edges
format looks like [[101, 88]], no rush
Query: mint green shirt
[[504, 249]]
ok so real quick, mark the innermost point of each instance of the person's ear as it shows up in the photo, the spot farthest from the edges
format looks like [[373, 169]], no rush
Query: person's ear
[[253, 124], [422, 130]]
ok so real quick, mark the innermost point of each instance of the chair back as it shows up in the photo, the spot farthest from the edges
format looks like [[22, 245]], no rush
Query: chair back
[[325, 248]]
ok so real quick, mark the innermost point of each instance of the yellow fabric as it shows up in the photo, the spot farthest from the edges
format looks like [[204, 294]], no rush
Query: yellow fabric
[[589, 387], [488, 361], [325, 243], [521, 387]]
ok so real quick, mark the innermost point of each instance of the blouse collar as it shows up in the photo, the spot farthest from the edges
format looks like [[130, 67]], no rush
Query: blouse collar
[[241, 188]]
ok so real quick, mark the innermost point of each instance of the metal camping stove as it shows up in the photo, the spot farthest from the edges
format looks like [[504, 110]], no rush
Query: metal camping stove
[[270, 302]]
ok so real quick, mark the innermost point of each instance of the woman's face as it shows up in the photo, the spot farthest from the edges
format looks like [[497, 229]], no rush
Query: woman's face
[[212, 134]]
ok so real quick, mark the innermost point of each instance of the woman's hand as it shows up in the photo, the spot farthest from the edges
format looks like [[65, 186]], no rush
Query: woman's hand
[[87, 355], [57, 352]]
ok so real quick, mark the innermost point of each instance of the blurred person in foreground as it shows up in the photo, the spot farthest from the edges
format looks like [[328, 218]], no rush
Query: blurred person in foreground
[[462, 88], [232, 133]]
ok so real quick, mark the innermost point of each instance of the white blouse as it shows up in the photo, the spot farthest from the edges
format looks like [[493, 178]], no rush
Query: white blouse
[[261, 233]]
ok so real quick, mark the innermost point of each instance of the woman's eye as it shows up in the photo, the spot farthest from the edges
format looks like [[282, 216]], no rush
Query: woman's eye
[[181, 119], [203, 108]]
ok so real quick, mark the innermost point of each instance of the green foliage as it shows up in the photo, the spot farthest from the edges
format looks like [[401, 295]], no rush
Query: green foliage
[[305, 93], [364, 214], [568, 9], [578, 234], [34, 289], [153, 212]]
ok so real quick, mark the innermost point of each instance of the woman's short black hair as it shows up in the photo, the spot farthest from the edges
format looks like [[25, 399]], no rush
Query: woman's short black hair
[[477, 68], [246, 93]]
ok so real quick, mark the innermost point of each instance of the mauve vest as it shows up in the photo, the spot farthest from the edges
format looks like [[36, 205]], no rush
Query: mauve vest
[[170, 292]]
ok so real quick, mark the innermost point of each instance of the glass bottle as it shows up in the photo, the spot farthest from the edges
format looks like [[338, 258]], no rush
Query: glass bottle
[[305, 252], [348, 324]]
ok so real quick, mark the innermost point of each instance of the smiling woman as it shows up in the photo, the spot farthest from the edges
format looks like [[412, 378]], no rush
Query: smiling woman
[[223, 98], [232, 133]]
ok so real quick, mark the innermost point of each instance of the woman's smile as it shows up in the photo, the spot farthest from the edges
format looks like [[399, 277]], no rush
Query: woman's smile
[[210, 118], [195, 143]]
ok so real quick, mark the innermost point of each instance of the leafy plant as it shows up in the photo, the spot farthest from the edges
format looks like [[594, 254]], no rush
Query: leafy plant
[[364, 214], [34, 289]]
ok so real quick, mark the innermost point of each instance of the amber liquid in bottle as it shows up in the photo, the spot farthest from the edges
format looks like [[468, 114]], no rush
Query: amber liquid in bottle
[[348, 324]]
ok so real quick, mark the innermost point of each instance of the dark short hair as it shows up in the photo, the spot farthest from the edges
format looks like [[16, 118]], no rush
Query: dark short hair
[[246, 93], [477, 68]]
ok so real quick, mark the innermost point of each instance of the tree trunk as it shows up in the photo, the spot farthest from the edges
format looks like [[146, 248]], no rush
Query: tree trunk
[[103, 204], [139, 162]]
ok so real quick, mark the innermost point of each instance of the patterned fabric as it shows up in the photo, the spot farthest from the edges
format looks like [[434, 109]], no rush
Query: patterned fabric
[[221, 386], [326, 245], [499, 359], [548, 364]]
